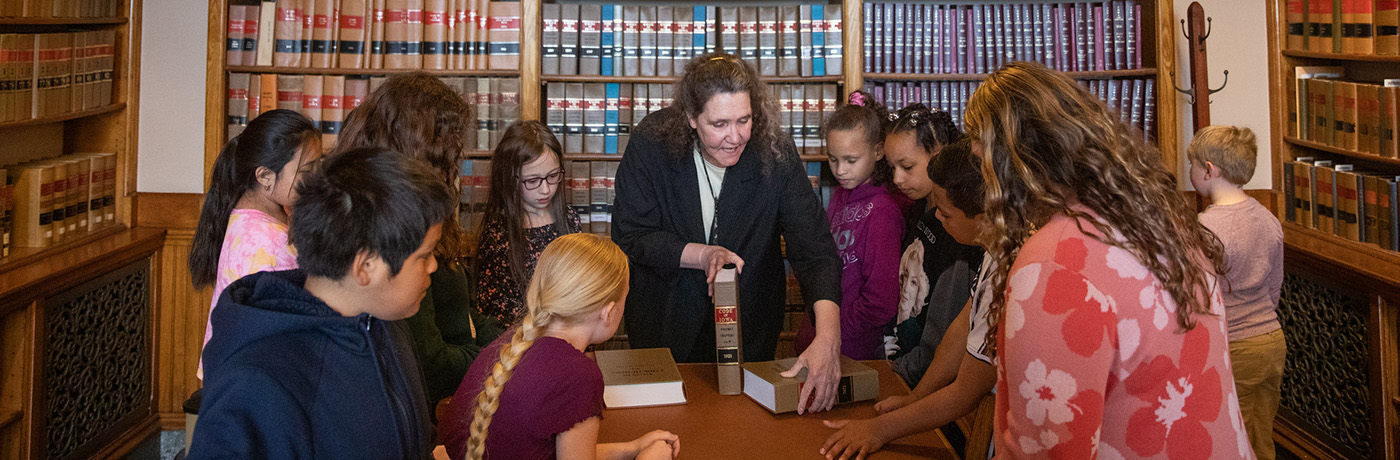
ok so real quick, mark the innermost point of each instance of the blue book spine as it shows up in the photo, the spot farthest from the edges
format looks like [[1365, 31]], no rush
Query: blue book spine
[[610, 120], [818, 40], [606, 41], [697, 38]]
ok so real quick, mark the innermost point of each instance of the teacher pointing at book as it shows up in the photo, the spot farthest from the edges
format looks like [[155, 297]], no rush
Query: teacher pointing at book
[[713, 180]]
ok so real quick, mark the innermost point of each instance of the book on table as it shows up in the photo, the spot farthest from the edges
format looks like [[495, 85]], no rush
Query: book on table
[[640, 378], [764, 384]]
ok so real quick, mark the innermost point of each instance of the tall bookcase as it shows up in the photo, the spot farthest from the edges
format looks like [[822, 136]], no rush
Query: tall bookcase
[[101, 274], [1341, 291]]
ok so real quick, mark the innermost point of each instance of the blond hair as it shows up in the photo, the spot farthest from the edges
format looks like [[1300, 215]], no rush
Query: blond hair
[[1047, 145], [1230, 148], [577, 275]]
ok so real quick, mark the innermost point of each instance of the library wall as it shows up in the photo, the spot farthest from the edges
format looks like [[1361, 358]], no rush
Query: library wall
[[171, 137], [1238, 43]]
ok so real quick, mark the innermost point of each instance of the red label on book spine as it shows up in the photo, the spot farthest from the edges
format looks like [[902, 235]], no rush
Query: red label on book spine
[[352, 22], [286, 15], [435, 17], [727, 315]]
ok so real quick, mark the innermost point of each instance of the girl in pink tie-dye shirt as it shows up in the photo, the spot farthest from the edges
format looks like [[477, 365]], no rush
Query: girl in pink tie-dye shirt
[[243, 225]]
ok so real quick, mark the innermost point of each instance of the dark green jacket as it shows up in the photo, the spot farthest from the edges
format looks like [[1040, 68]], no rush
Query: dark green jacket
[[448, 332]]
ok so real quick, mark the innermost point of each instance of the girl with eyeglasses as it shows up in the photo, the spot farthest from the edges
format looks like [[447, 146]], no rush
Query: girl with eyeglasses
[[524, 213]]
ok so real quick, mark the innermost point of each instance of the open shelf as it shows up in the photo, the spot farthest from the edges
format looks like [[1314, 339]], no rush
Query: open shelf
[[1340, 56], [672, 79], [65, 116], [1358, 257], [1340, 151], [337, 71], [20, 256], [1099, 75], [60, 21]]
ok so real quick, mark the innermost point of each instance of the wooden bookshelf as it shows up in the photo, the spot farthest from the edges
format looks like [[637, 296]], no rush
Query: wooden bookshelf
[[1362, 258], [20, 256], [1359, 156], [61, 21], [1104, 75], [339, 71], [1340, 56], [117, 107], [672, 79]]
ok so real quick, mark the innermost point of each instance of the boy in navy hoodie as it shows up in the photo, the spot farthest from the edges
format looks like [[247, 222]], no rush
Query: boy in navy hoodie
[[313, 362]]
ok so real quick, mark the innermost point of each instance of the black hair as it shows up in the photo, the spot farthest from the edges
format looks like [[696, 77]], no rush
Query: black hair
[[269, 141], [957, 171], [366, 200], [864, 114], [932, 128]]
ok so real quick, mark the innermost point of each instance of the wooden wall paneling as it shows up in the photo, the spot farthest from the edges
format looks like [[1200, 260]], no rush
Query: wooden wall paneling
[[1384, 379], [852, 42], [215, 98], [530, 23], [1164, 50], [182, 312], [15, 369]]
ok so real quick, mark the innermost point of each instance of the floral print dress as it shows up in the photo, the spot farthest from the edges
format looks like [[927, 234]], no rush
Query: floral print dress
[[498, 293], [254, 242], [1092, 363]]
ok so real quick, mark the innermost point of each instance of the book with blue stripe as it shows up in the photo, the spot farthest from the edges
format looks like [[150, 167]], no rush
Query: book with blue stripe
[[819, 40], [610, 118], [697, 37], [606, 40]]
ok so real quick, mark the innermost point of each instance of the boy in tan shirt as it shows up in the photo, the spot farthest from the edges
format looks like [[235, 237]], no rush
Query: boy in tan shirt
[[1222, 161]]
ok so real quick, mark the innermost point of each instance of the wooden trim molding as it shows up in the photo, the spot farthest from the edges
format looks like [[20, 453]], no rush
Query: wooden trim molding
[[168, 210]]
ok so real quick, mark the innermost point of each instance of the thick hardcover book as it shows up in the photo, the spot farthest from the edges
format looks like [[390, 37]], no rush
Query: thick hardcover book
[[1387, 27], [307, 18], [233, 48], [1320, 26], [607, 44], [1344, 105], [350, 49], [504, 36], [396, 34], [804, 40], [1324, 195], [267, 93], [868, 22], [748, 34], [665, 28], [1389, 121], [764, 383], [631, 44], [237, 104], [598, 195], [1349, 210], [377, 28], [646, 41], [485, 112], [728, 32], [639, 378], [768, 40], [1319, 109], [1370, 205], [1303, 192], [610, 118], [323, 43], [590, 39], [683, 38], [289, 90], [569, 39], [435, 40], [579, 176], [356, 90], [33, 200], [1296, 18], [624, 116], [1368, 117], [728, 332], [700, 32], [1388, 226], [332, 109], [254, 96], [1364, 31], [573, 117], [711, 29], [554, 110], [313, 87], [58, 208], [1120, 35], [1290, 193], [618, 27], [833, 27], [594, 117], [264, 39]]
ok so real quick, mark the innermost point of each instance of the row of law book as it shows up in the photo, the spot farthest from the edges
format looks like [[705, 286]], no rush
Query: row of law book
[[376, 34], [1343, 26], [60, 8], [639, 40], [56, 199], [1134, 99], [1342, 200], [1355, 116], [980, 37], [475, 180], [597, 118], [328, 99], [591, 192], [43, 75]]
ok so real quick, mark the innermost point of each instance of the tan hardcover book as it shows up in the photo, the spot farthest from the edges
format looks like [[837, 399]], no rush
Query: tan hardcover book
[[1303, 192], [459, 34], [95, 188], [1320, 103], [504, 35], [267, 92], [332, 109], [729, 337], [237, 104], [289, 91], [1390, 119], [574, 118], [58, 207], [70, 196], [267, 33], [109, 67], [286, 33], [1344, 93], [7, 209], [254, 96], [78, 92], [1320, 26], [323, 45], [109, 190], [434, 45], [313, 87], [1296, 17], [350, 49], [28, 66], [396, 34], [1371, 192], [1348, 212], [1363, 30], [79, 192], [1324, 196], [413, 24], [640, 378], [1368, 108], [1387, 27], [33, 198], [472, 33], [579, 191], [764, 383], [250, 34], [356, 90], [8, 77], [233, 47], [377, 27]]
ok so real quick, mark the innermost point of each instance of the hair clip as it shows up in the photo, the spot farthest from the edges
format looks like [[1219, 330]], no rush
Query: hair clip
[[856, 98], [717, 58]]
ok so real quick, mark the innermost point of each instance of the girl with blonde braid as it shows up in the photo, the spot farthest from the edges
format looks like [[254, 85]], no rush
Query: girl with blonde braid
[[542, 397]]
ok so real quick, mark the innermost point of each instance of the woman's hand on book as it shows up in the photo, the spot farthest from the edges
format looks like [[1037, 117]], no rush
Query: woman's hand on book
[[853, 439], [659, 444], [823, 362]]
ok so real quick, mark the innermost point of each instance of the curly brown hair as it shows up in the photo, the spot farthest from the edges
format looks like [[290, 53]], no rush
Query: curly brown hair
[[1047, 144], [720, 73], [418, 115]]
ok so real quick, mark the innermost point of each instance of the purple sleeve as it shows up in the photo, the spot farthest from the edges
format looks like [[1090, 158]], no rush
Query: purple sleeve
[[878, 301], [575, 395]]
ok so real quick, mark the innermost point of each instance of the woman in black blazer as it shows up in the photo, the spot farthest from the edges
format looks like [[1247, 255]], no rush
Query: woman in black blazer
[[714, 180]]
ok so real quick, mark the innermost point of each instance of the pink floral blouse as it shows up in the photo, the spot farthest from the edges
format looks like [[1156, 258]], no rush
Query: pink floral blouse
[[254, 242], [1092, 363]]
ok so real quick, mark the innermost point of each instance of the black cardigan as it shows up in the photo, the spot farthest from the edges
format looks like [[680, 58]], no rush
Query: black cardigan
[[657, 211]]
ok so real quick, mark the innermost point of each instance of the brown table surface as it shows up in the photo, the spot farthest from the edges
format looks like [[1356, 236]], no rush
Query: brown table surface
[[736, 427]]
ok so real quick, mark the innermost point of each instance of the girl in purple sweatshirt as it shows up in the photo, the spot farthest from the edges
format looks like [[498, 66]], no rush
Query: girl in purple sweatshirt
[[867, 222]]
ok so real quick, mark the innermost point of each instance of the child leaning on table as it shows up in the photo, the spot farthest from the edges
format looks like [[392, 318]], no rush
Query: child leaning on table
[[1222, 161], [542, 397], [312, 362]]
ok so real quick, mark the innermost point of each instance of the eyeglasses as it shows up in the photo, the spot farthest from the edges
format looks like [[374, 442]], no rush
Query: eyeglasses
[[535, 182]]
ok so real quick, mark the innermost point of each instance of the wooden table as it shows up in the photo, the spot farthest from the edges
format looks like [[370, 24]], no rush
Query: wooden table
[[735, 427]]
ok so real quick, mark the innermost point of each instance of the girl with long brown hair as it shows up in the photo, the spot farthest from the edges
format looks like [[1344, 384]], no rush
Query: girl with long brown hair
[[1107, 317], [418, 115], [542, 397], [524, 212]]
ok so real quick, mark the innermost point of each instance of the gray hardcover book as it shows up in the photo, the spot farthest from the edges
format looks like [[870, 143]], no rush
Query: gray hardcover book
[[665, 40], [656, 96], [639, 103], [785, 105], [549, 38], [484, 114], [833, 41], [573, 117], [647, 41], [590, 39], [788, 40], [748, 34], [624, 116], [554, 109], [594, 117], [631, 46], [618, 52], [826, 109], [768, 40], [684, 39], [569, 39], [508, 111], [728, 34], [804, 30]]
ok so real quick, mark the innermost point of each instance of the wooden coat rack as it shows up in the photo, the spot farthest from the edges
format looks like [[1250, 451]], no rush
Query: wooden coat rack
[[1197, 28]]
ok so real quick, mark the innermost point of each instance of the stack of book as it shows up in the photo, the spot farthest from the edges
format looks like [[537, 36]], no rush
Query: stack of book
[[48, 201], [1134, 99], [376, 34], [328, 99], [979, 37], [43, 75], [1343, 26], [1342, 200], [591, 191], [60, 8], [639, 40], [597, 118]]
